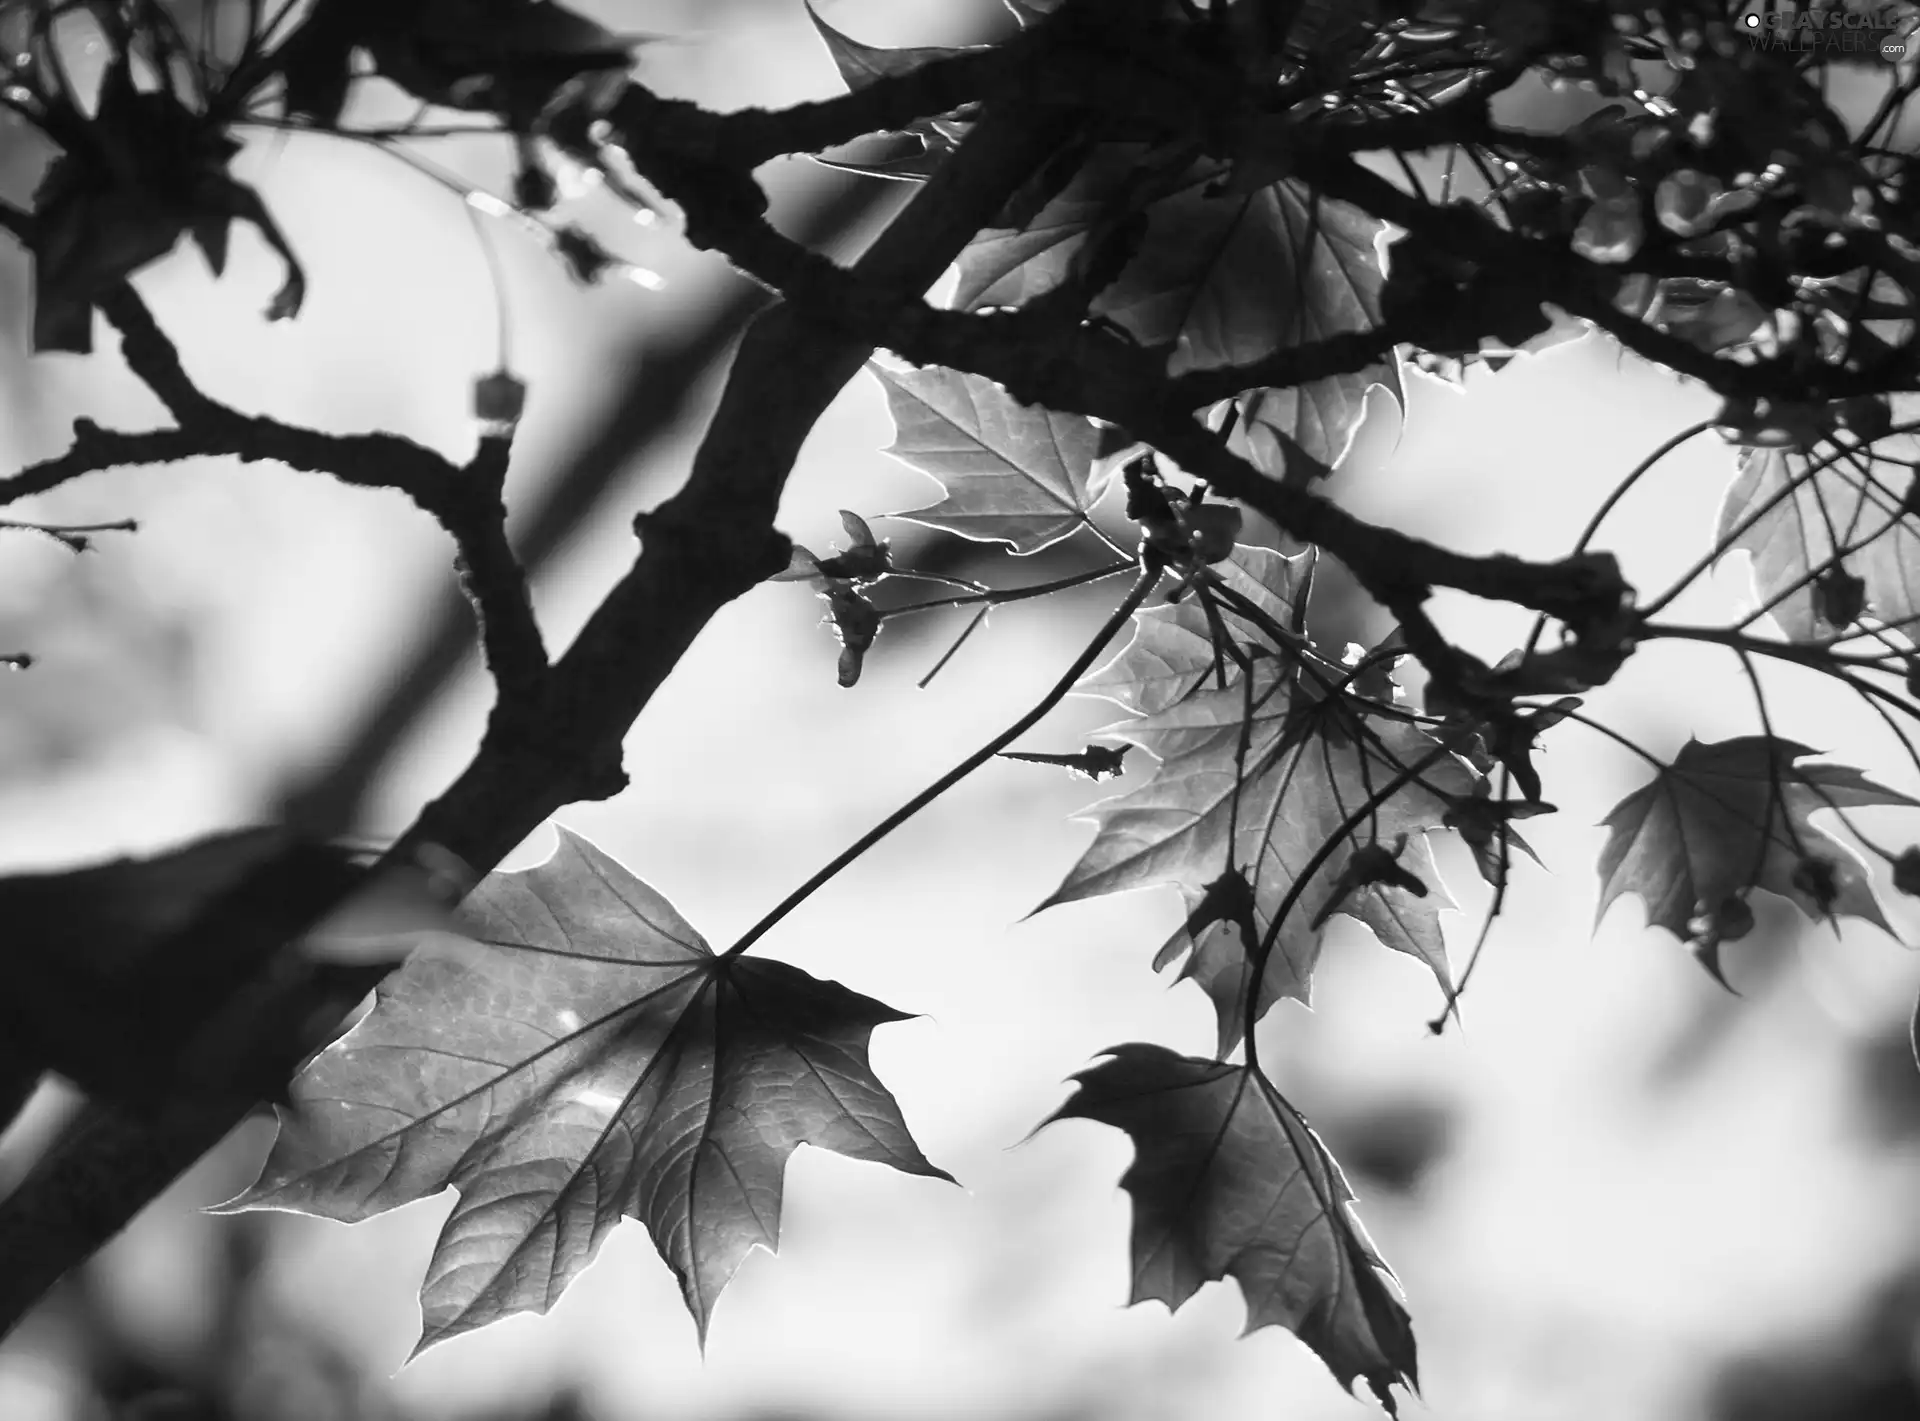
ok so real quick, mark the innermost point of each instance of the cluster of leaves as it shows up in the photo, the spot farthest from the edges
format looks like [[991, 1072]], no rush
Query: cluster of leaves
[[1704, 211], [1207, 287], [142, 147]]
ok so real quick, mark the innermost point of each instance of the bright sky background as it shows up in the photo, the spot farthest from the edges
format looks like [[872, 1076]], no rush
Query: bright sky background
[[1641, 1179]]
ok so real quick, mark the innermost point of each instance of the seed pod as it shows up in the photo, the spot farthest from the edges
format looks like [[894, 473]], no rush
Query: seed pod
[[1683, 202], [1839, 597], [1612, 230]]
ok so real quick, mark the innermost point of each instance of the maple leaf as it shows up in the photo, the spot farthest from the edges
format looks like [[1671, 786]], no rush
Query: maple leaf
[[860, 64], [927, 140], [139, 174], [1013, 473], [584, 1056], [1007, 266], [1311, 760], [1799, 506], [504, 56], [1484, 825], [1172, 652], [1229, 1181], [509, 57], [1221, 278], [1732, 816]]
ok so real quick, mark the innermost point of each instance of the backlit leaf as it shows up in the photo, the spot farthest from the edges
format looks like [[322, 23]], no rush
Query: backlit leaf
[[917, 149], [509, 57], [1229, 1181], [580, 1056], [1171, 652], [860, 64], [1013, 474], [1713, 825], [1311, 760], [1221, 278], [1801, 508], [149, 172]]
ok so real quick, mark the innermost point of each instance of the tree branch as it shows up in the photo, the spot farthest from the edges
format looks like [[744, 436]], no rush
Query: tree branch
[[709, 543], [649, 388], [95, 450], [467, 501], [1088, 371], [475, 513]]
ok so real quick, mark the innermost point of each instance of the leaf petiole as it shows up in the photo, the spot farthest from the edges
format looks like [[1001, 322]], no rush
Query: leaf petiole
[[1144, 584]]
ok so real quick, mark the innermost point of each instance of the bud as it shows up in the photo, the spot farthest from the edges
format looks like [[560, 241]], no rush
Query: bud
[[1839, 597], [498, 400]]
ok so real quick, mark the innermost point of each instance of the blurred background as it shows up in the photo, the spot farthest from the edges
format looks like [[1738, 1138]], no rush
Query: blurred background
[[1617, 1194]]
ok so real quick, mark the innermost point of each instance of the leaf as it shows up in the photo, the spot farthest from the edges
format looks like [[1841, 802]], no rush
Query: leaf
[[1006, 266], [1229, 1181], [1311, 761], [1709, 827], [932, 138], [1483, 823], [586, 1056], [509, 57], [901, 157], [1512, 736], [860, 64], [1171, 652], [1013, 474], [1221, 278], [315, 62], [147, 172], [1798, 511], [1170, 655]]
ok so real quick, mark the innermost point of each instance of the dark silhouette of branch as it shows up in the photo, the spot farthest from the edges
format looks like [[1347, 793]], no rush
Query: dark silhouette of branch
[[704, 546], [648, 393], [465, 500]]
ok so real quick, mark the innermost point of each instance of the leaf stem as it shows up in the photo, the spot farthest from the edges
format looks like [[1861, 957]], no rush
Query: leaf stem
[[1652, 759], [1612, 501], [1818, 657], [1144, 584], [1729, 537], [1458, 989], [1776, 794], [992, 597]]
